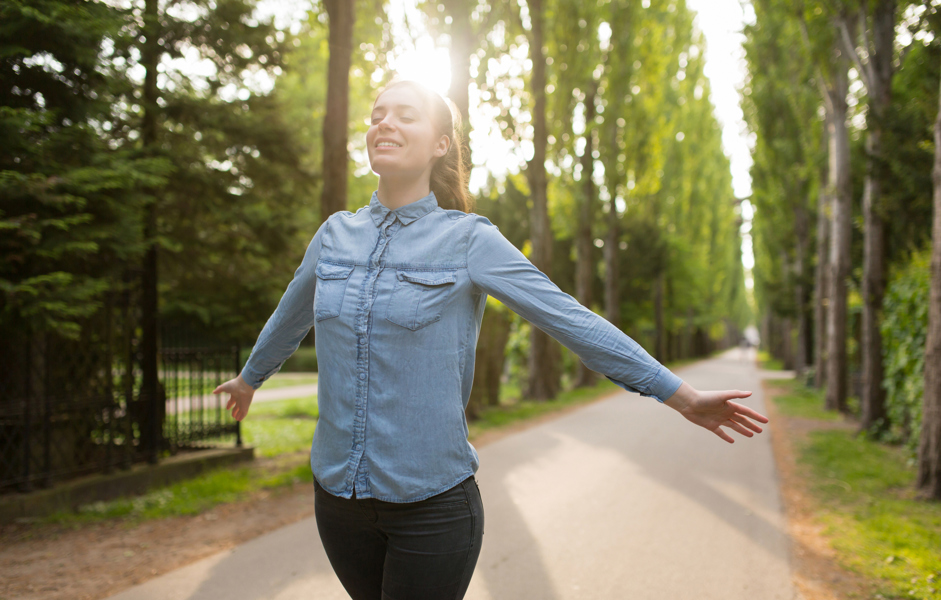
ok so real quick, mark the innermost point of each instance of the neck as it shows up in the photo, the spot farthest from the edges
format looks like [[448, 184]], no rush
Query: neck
[[396, 193]]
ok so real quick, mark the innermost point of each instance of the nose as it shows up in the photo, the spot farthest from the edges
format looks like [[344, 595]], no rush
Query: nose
[[385, 123]]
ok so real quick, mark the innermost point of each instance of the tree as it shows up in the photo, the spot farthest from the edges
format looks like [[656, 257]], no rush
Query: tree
[[929, 448], [342, 14], [781, 107], [875, 68], [543, 371]]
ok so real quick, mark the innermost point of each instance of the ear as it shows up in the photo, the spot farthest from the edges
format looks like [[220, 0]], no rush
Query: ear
[[442, 147]]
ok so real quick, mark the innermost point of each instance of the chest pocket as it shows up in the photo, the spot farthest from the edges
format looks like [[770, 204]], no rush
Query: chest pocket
[[419, 297], [331, 287]]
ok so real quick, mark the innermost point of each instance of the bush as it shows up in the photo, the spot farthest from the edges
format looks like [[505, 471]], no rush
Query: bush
[[904, 332]]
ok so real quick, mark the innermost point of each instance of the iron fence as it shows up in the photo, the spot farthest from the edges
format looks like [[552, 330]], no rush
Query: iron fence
[[71, 406]]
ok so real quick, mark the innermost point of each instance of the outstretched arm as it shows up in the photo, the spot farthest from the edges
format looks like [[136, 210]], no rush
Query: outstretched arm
[[501, 270]]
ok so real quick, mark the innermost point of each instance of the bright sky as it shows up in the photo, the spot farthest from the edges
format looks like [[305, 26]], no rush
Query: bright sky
[[722, 21]]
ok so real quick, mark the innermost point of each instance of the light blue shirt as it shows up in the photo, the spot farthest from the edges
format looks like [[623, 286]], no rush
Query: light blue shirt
[[396, 298]]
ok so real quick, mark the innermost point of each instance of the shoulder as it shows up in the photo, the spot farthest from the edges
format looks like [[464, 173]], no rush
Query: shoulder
[[480, 227], [346, 214]]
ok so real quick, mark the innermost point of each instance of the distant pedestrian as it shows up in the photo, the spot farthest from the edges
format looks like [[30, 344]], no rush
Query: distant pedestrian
[[396, 292]]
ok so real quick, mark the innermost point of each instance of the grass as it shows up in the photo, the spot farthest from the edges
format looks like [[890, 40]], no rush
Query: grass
[[768, 363], [803, 402], [281, 427], [864, 493]]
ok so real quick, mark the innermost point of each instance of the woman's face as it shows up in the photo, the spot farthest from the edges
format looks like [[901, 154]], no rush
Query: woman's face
[[401, 139]]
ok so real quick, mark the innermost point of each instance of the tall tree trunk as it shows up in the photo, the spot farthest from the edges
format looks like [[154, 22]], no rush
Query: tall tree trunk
[[802, 231], [341, 14], [490, 358], [612, 267], [929, 447], [584, 266], [462, 40], [840, 231], [873, 285], [151, 407], [543, 373], [822, 282], [660, 334]]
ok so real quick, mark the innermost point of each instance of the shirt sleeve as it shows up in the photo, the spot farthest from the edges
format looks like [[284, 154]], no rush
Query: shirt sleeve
[[289, 323], [498, 268]]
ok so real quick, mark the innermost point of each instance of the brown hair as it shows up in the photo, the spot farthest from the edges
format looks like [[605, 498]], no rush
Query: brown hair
[[449, 176]]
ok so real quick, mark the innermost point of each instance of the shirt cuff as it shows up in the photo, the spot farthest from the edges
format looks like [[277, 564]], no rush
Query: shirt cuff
[[664, 385], [254, 378]]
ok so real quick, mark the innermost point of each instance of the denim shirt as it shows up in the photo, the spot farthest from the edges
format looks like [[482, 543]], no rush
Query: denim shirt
[[396, 298]]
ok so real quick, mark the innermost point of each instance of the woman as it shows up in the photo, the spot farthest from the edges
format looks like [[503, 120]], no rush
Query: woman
[[396, 292]]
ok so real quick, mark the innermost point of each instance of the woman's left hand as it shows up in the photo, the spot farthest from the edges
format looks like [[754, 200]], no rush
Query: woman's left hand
[[714, 410]]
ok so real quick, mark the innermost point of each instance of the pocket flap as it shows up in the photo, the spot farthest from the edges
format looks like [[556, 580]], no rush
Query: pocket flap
[[428, 277], [332, 271]]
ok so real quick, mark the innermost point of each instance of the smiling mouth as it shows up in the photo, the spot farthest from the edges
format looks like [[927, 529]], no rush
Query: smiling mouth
[[388, 145]]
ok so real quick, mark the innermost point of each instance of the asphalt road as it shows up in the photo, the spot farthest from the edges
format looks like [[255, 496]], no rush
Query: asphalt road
[[623, 499]]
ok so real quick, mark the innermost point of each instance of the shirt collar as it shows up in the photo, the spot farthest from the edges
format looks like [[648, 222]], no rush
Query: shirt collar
[[406, 214]]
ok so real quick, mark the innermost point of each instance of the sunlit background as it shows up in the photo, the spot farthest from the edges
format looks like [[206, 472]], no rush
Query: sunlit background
[[417, 56]]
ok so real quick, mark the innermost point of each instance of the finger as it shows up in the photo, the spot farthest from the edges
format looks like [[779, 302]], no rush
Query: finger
[[736, 427], [230, 403], [743, 421], [722, 434], [732, 394], [748, 412]]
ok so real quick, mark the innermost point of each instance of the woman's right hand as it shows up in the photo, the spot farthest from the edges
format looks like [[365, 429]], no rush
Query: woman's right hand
[[240, 396]]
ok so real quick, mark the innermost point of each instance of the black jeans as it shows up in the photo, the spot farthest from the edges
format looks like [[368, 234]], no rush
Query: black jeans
[[424, 550]]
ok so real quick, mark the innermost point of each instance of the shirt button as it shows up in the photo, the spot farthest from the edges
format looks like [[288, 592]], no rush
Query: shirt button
[[359, 446], [362, 376]]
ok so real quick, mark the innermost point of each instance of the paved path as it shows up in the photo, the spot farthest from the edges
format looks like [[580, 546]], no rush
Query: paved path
[[620, 500]]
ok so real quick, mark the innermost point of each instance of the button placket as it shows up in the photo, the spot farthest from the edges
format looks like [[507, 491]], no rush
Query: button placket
[[356, 470]]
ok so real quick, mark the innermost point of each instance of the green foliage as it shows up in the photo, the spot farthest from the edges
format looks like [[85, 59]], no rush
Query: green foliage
[[68, 205], [910, 138], [904, 334]]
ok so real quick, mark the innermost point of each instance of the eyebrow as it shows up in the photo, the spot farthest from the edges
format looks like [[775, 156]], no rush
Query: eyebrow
[[397, 106]]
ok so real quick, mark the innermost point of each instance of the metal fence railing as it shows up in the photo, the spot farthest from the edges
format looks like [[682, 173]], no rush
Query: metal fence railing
[[72, 406]]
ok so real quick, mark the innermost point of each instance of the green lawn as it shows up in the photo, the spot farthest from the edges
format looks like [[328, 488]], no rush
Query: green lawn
[[865, 496], [280, 427]]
